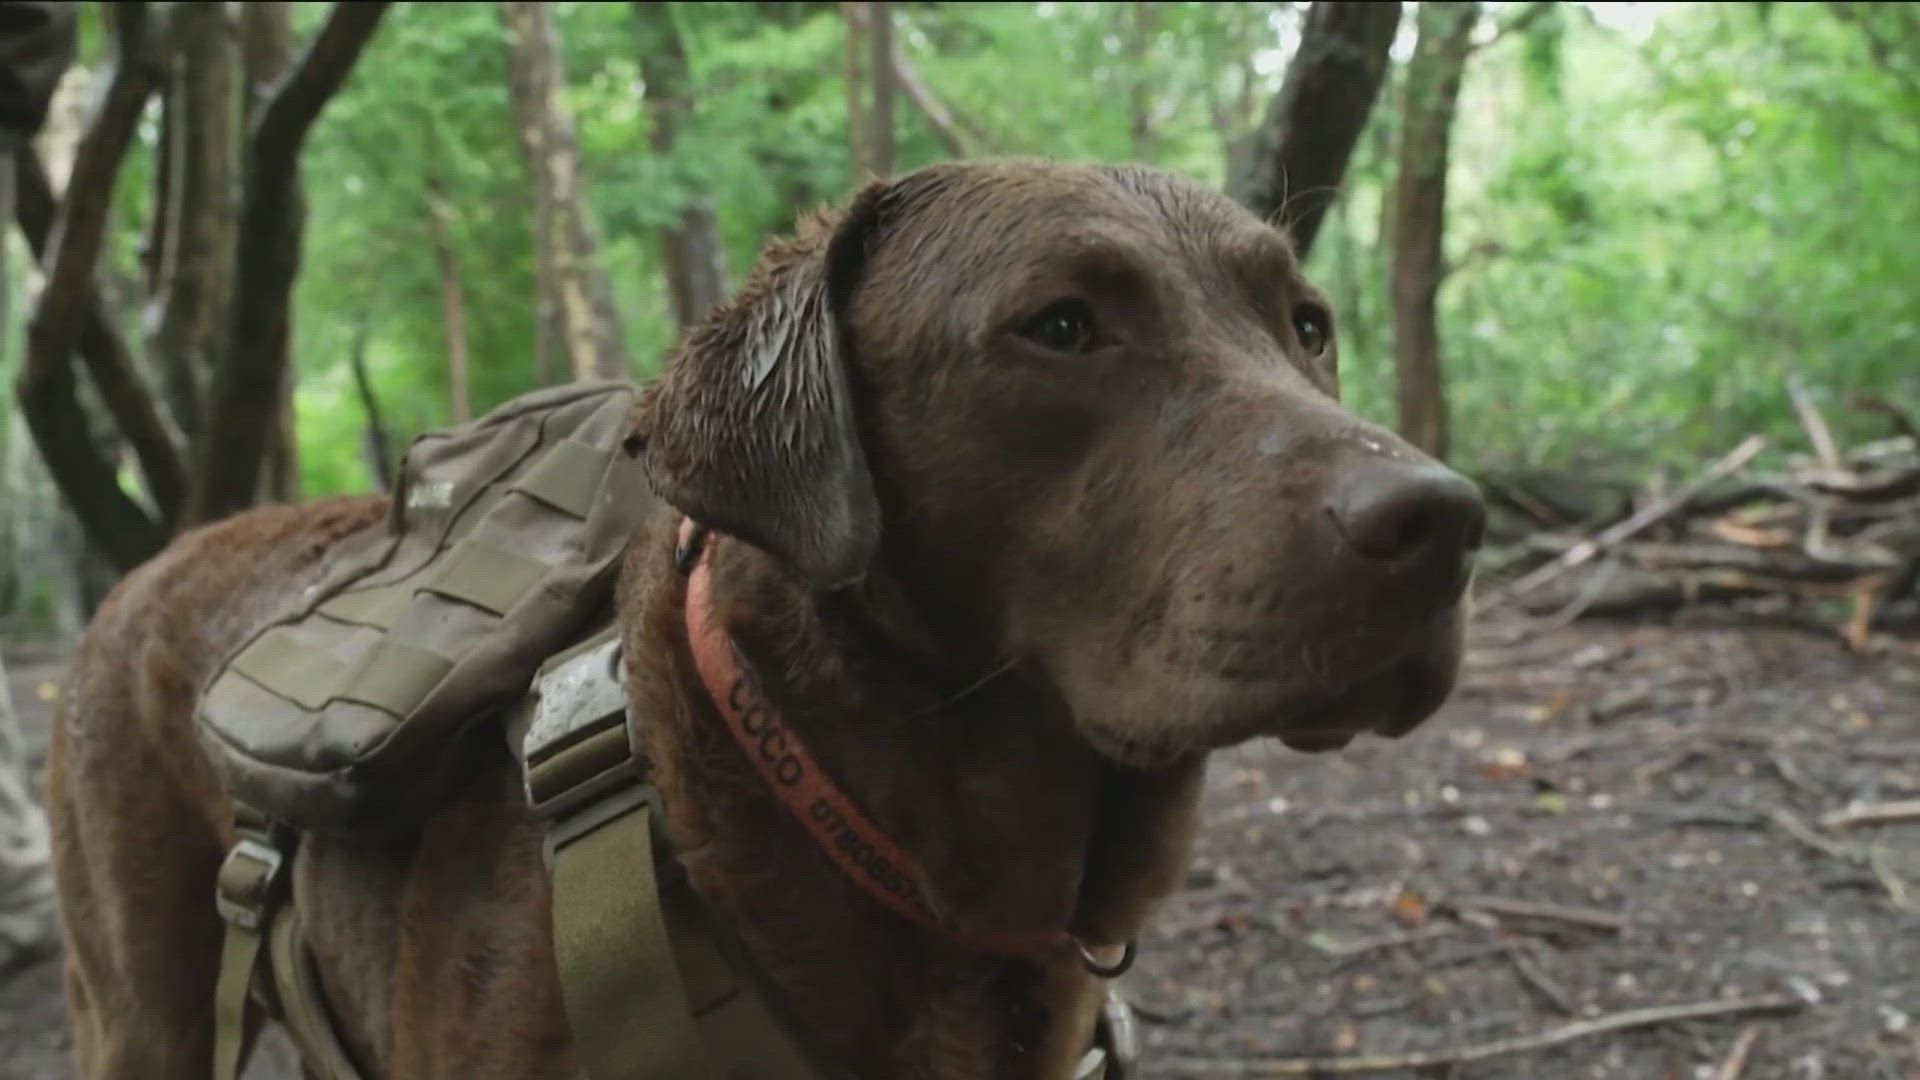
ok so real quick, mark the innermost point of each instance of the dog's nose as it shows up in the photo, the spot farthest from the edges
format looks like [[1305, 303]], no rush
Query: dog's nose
[[1419, 515]]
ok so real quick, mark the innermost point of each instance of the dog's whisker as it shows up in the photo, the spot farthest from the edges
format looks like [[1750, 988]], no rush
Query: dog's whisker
[[961, 694]]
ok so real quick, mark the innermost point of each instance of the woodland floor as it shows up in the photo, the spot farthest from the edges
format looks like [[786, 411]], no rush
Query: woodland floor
[[1653, 793]]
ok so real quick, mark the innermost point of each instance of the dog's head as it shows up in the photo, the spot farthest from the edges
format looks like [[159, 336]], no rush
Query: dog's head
[[1091, 417]]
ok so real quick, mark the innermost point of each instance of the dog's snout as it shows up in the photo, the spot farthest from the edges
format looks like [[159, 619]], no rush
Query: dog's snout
[[1418, 515]]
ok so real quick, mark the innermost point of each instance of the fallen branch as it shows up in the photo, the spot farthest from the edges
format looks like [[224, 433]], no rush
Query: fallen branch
[[1653, 512], [1465, 1055]]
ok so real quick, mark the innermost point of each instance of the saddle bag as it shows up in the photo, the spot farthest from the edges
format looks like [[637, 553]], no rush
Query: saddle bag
[[345, 710]]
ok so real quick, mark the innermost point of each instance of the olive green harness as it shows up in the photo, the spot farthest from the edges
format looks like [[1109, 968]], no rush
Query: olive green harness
[[486, 600]]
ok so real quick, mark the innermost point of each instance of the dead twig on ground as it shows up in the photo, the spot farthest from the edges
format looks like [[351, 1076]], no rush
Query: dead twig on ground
[[1736, 1062], [1819, 435], [1530, 972], [1871, 857], [1886, 813], [1791, 773], [1593, 918], [1361, 946], [1258, 1067]]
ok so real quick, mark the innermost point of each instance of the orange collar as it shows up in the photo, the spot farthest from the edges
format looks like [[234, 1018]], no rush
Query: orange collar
[[858, 846]]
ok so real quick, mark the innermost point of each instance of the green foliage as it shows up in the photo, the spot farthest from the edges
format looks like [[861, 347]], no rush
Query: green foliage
[[1653, 221], [1657, 223]]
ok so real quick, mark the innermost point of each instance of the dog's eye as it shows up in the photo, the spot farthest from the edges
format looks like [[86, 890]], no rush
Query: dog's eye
[[1314, 327], [1063, 327]]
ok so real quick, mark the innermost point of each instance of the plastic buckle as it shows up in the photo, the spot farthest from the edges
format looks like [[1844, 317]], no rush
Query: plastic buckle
[[243, 895], [1119, 1033], [1093, 1066], [581, 701]]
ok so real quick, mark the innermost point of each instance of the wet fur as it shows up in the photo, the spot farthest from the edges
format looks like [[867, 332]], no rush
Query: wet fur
[[978, 588]]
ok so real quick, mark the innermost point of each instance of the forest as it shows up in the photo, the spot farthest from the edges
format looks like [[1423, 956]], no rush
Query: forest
[[1646, 272], [1655, 226]]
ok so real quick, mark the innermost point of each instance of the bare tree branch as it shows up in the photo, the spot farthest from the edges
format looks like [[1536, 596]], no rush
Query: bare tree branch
[[109, 361], [1291, 172], [71, 238], [80, 226], [952, 128], [936, 111], [247, 384], [379, 446]]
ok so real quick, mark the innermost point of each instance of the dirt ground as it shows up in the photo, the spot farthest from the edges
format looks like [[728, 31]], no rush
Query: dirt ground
[[1606, 819]]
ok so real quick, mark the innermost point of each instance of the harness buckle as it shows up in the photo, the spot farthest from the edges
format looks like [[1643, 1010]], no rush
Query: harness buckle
[[580, 768], [250, 881]]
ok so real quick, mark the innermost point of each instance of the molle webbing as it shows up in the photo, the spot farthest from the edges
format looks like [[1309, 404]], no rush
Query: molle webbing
[[501, 545]]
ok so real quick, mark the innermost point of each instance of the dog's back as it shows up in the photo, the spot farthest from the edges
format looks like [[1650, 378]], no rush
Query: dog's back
[[139, 821]]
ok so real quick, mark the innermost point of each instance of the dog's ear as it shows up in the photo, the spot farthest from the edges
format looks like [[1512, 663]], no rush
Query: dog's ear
[[752, 430]]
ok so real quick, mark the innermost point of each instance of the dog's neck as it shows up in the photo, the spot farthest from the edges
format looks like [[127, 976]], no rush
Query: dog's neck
[[1013, 822]]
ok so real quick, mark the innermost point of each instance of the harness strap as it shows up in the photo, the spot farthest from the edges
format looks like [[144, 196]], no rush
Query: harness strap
[[250, 888], [238, 955], [618, 977], [300, 1004], [654, 989]]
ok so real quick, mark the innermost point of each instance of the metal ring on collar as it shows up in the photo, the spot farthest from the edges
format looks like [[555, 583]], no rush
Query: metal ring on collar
[[1105, 971]]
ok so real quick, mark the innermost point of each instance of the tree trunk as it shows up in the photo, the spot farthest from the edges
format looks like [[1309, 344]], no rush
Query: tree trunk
[[581, 296], [1291, 169], [1146, 24], [696, 260], [193, 273], [880, 72], [249, 386], [266, 49], [1419, 217], [453, 305], [854, 15]]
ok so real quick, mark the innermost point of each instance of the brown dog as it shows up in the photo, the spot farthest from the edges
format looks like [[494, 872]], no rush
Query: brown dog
[[1030, 488]]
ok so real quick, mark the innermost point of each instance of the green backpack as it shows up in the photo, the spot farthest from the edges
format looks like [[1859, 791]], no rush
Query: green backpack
[[501, 546]]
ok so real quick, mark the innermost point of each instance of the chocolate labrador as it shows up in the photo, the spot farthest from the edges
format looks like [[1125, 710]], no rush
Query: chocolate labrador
[[1029, 486]]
